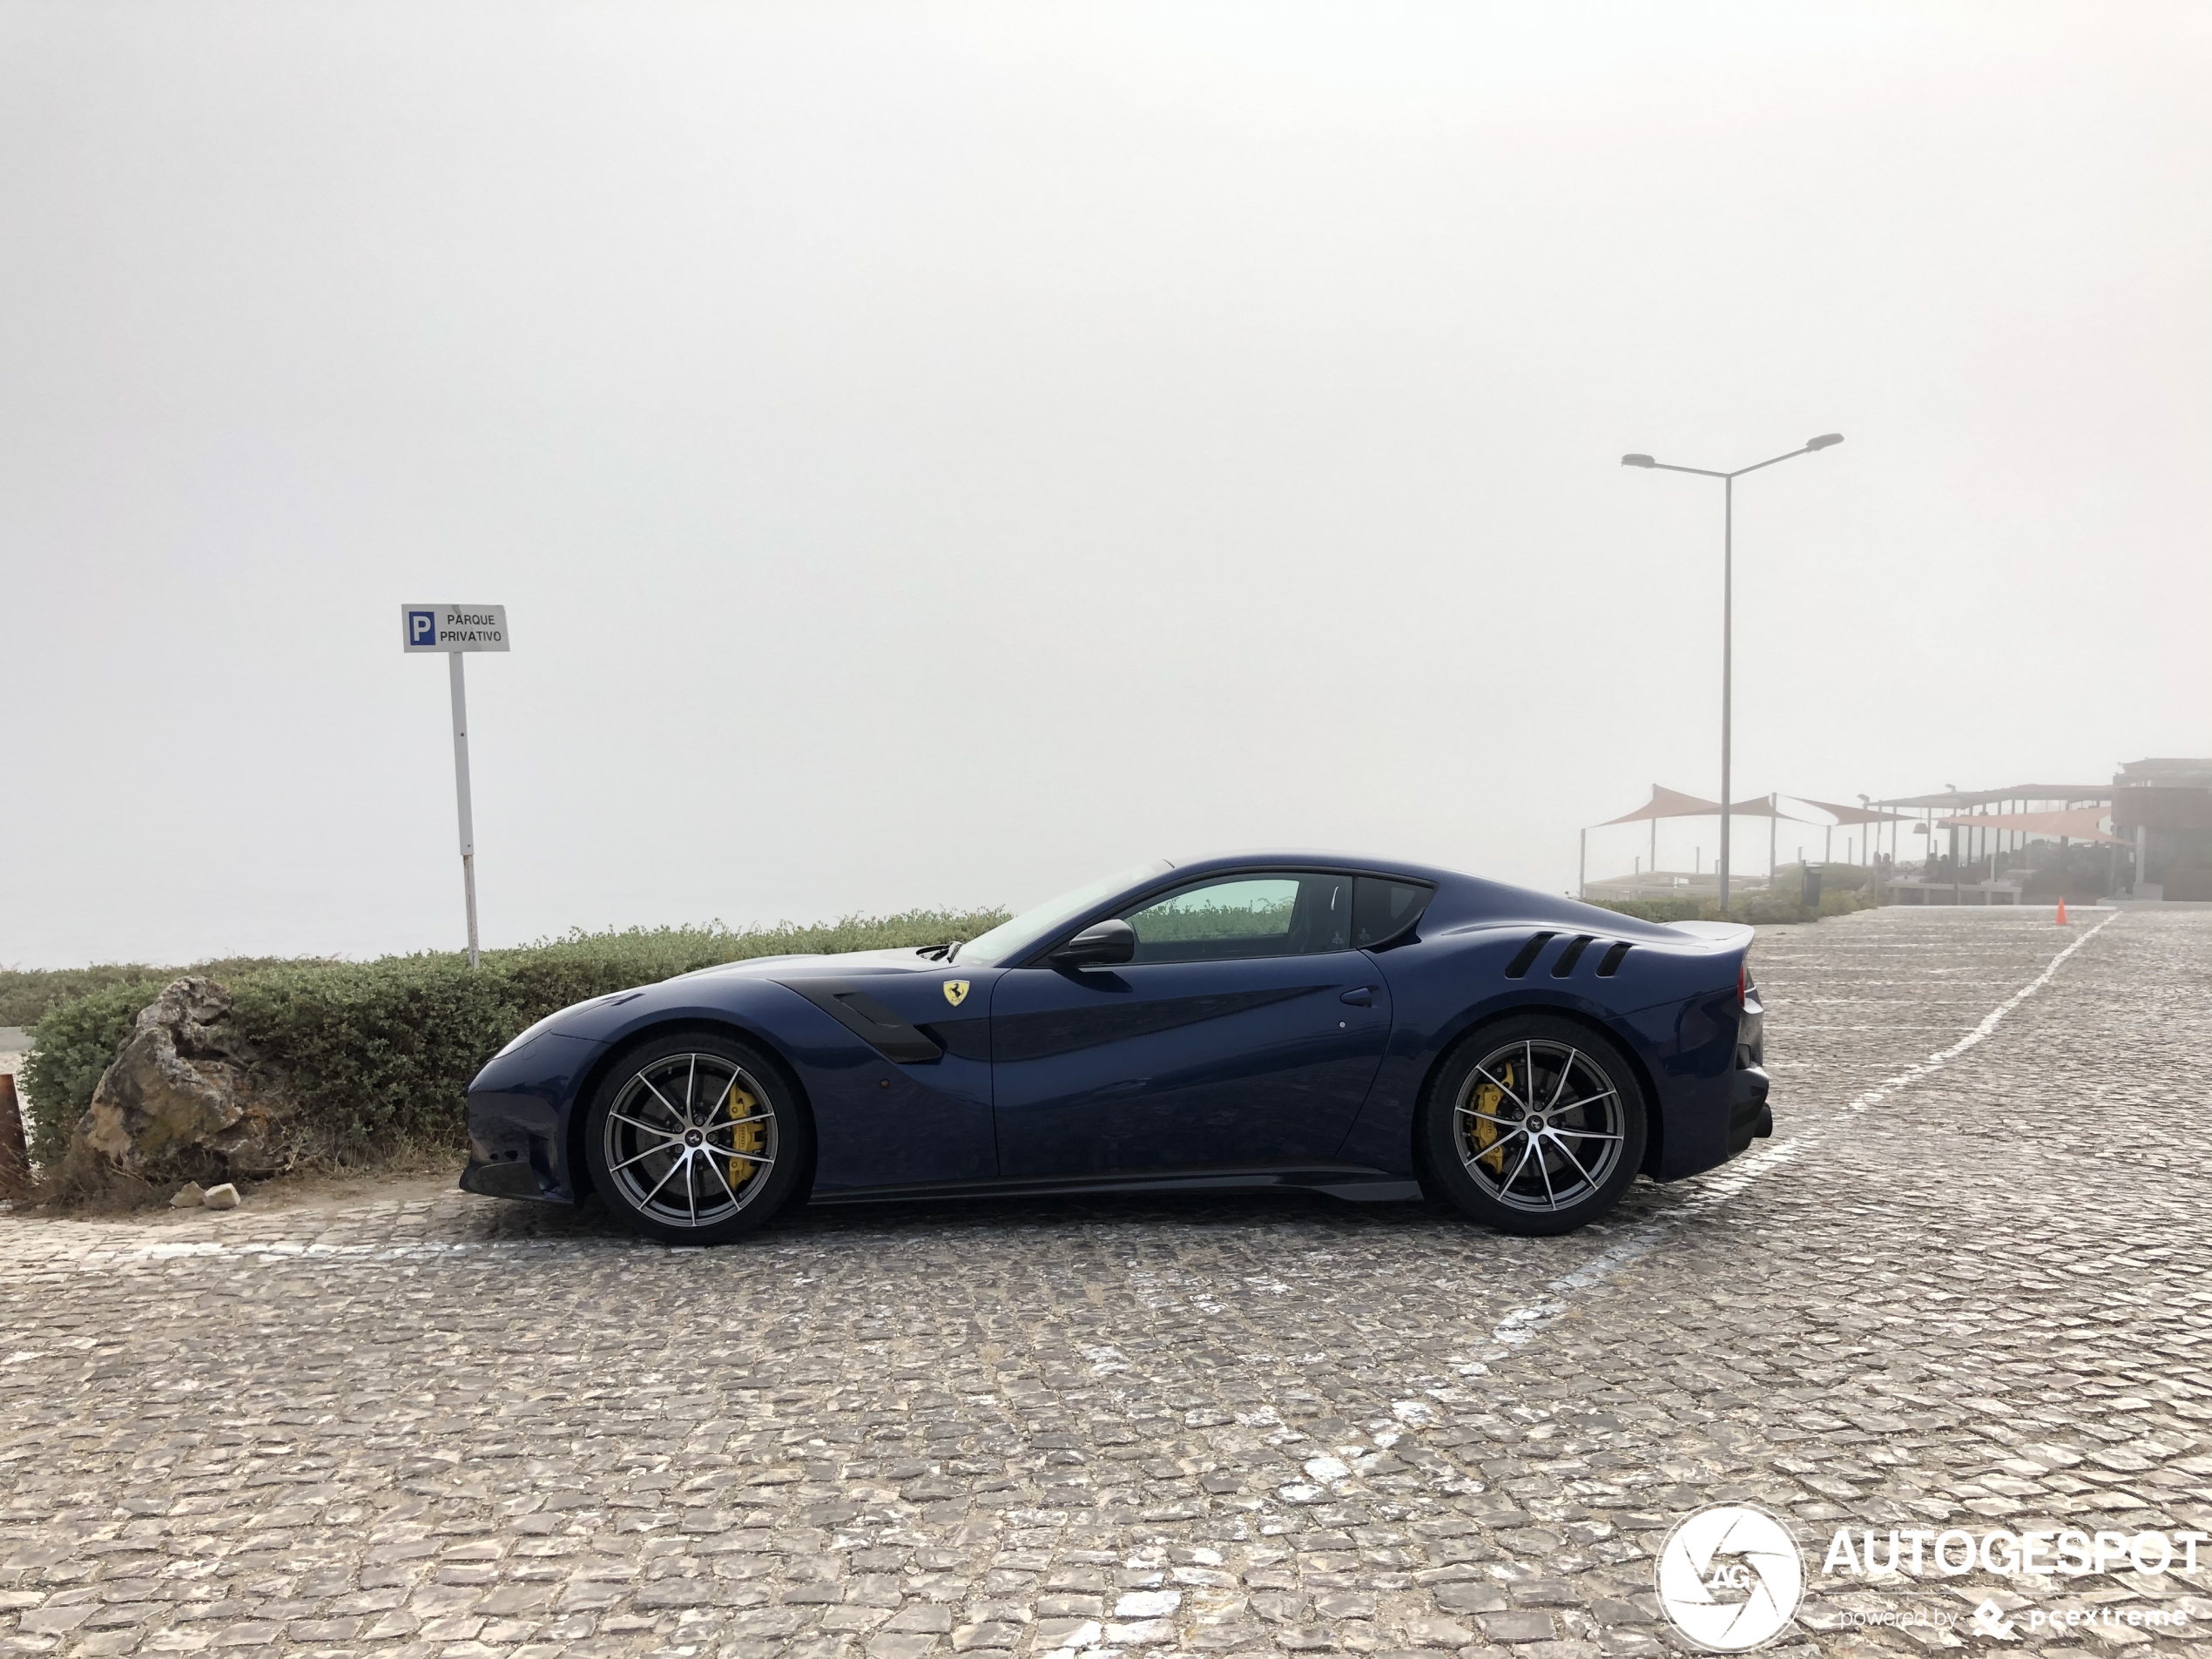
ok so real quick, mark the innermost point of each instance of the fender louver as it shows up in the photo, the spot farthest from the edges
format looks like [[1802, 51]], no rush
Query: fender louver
[[1571, 956], [1527, 954], [1611, 964], [849, 1004]]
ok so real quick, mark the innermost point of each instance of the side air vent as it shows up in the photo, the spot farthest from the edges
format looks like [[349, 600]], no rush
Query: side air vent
[[1571, 956], [849, 1004], [1527, 954], [1611, 964]]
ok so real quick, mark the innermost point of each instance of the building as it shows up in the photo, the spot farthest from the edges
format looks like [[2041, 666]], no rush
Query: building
[[2164, 807]]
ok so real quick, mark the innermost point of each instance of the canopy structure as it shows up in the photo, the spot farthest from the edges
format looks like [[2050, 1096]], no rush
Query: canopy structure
[[2082, 823], [1844, 814], [1672, 803], [1956, 800]]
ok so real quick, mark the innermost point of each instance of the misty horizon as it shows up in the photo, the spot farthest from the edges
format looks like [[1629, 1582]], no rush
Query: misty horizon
[[932, 460]]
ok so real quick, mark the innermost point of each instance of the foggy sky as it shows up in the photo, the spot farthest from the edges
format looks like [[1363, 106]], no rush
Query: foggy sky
[[938, 455]]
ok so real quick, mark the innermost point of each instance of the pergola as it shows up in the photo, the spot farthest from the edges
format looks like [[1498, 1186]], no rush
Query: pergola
[[1845, 815], [2015, 804], [1672, 803]]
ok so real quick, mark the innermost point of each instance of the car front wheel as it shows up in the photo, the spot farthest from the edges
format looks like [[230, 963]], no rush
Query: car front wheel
[[695, 1138], [1536, 1125]]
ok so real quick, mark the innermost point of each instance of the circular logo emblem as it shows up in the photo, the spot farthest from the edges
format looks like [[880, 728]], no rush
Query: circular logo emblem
[[1731, 1576]]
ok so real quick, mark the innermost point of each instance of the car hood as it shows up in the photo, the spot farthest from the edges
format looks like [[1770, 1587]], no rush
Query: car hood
[[905, 959]]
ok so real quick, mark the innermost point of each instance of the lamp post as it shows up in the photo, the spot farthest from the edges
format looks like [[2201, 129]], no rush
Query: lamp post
[[1827, 440]]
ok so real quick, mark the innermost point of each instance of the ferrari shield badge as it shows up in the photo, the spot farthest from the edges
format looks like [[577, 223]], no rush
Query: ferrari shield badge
[[955, 991]]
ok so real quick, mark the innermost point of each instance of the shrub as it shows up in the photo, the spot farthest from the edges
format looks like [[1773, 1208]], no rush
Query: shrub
[[1765, 908], [70, 1048], [379, 1052], [1654, 909], [27, 995]]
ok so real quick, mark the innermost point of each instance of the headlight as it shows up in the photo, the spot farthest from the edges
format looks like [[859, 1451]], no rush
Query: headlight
[[530, 1033]]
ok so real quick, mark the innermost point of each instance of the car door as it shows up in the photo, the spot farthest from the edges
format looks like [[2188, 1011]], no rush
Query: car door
[[1244, 1033]]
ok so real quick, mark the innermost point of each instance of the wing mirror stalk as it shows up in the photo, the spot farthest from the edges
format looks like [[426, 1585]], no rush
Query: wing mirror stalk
[[1103, 944]]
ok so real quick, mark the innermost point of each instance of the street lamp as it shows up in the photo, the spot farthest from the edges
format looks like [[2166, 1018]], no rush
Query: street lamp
[[1827, 440]]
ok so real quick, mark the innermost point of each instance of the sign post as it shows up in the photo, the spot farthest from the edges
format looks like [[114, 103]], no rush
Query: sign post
[[455, 630]]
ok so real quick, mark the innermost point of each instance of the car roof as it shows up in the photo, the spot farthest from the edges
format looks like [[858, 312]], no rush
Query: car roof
[[1276, 858]]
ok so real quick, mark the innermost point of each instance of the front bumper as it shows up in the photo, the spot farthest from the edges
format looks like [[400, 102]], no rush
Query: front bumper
[[509, 1180], [518, 1120]]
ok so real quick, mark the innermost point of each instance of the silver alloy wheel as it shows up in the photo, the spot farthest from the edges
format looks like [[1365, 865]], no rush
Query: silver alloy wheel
[[1539, 1125], [690, 1139]]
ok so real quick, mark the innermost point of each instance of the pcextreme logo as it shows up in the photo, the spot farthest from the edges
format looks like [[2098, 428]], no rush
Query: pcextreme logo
[[1731, 1576]]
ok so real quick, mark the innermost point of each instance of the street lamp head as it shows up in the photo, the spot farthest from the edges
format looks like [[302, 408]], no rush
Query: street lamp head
[[1638, 460], [1825, 440]]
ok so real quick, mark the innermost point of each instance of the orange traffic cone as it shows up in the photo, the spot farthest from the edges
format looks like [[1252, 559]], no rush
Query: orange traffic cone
[[2061, 913]]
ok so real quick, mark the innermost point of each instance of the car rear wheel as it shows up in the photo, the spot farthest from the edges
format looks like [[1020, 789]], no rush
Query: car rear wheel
[[695, 1138], [1536, 1125]]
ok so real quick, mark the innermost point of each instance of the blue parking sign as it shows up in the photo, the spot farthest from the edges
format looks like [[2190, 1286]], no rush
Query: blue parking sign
[[449, 628]]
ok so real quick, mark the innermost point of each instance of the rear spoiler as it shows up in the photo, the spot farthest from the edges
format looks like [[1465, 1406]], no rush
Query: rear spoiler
[[1721, 936]]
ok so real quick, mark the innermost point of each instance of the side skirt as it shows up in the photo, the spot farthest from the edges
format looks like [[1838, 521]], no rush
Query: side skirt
[[1352, 1181]]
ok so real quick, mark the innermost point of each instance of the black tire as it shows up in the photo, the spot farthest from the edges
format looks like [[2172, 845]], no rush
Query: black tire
[[695, 1138], [1569, 1170]]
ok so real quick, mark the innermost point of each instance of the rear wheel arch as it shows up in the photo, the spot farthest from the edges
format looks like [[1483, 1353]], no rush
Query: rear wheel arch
[[586, 1089], [1654, 1119]]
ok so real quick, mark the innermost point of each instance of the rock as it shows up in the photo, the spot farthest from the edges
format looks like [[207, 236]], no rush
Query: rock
[[188, 1196], [221, 1198], [183, 1097], [15, 1156]]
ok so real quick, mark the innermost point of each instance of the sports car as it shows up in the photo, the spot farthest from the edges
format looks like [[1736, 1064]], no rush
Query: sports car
[[1361, 1028]]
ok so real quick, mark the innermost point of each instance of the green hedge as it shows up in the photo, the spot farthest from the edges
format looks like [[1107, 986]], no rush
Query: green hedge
[[382, 1051], [1760, 908], [29, 995]]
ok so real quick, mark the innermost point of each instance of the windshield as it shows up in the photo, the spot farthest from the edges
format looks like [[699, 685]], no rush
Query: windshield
[[991, 950]]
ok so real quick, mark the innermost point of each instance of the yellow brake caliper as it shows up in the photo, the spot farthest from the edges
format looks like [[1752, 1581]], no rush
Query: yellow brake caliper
[[744, 1137], [1484, 1132]]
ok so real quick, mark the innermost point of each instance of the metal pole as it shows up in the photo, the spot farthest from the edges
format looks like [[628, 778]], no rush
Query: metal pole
[[1728, 661], [1582, 869], [460, 791]]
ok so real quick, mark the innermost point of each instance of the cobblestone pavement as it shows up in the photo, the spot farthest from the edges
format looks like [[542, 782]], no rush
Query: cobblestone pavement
[[1959, 1291]]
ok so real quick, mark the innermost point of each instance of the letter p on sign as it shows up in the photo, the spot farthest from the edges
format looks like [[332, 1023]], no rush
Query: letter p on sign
[[421, 627]]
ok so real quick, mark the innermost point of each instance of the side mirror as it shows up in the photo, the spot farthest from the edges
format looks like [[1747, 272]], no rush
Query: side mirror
[[1100, 945]]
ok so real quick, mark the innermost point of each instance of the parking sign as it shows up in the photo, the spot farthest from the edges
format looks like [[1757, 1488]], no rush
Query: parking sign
[[452, 627], [451, 631]]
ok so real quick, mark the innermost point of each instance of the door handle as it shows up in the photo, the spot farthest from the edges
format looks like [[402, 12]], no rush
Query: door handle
[[1361, 996]]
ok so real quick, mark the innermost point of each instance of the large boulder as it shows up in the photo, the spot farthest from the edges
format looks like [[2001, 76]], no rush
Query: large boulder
[[185, 1098]]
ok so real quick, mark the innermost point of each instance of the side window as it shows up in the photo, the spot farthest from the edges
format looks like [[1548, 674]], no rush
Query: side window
[[1383, 909], [1244, 916]]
